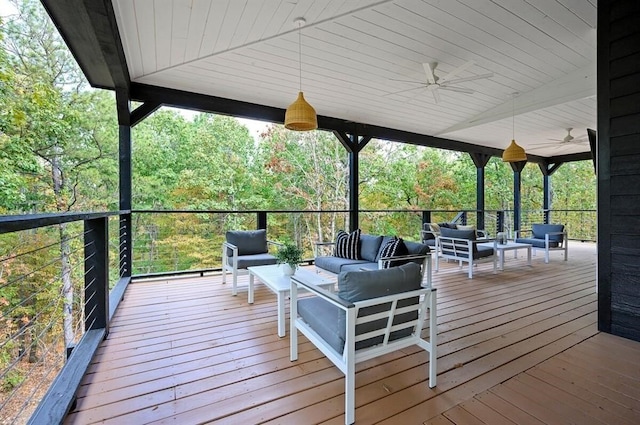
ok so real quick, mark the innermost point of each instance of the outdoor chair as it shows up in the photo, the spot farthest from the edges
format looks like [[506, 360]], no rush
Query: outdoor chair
[[462, 246], [373, 313], [546, 237], [242, 249]]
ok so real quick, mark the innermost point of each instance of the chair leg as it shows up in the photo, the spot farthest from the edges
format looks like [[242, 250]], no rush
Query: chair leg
[[350, 393], [433, 332], [234, 290]]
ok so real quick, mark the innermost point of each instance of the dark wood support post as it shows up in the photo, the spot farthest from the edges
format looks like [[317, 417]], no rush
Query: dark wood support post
[[261, 220], [547, 170], [354, 144], [123, 106], [96, 277], [517, 168], [480, 160], [426, 218]]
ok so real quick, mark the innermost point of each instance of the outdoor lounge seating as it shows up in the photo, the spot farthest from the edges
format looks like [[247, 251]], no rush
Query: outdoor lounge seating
[[372, 253], [430, 231], [374, 313], [547, 237], [242, 249], [462, 246]]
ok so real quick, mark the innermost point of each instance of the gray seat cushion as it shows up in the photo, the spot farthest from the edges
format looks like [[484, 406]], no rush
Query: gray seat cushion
[[249, 242], [335, 264], [245, 261], [538, 243], [482, 252], [369, 247], [330, 322], [416, 248], [358, 267]]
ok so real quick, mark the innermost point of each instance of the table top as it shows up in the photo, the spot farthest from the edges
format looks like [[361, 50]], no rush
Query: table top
[[508, 245], [273, 276]]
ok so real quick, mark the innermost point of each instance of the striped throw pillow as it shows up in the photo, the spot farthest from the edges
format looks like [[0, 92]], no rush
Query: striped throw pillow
[[348, 245], [394, 248]]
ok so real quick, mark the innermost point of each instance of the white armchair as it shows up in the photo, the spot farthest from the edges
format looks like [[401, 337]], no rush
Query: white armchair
[[387, 306], [242, 249]]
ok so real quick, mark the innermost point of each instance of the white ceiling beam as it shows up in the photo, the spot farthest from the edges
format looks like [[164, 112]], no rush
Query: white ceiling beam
[[576, 85]]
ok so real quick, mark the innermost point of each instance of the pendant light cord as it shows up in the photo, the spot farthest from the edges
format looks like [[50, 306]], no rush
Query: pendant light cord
[[300, 55]]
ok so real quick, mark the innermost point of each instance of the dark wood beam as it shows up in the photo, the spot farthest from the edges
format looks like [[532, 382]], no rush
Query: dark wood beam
[[89, 28]]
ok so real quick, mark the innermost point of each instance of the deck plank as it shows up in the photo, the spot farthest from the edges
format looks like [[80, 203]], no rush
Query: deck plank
[[184, 350]]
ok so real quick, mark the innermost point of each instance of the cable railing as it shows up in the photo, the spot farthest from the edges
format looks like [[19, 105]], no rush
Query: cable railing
[[62, 275], [53, 284]]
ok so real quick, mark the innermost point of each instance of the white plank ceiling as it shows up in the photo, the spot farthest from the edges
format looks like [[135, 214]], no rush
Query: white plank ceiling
[[359, 58]]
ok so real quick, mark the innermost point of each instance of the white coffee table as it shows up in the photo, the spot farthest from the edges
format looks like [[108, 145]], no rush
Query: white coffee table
[[509, 246], [274, 278]]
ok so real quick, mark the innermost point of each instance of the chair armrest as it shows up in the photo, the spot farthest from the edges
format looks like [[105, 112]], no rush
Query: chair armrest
[[319, 291], [232, 247], [428, 232]]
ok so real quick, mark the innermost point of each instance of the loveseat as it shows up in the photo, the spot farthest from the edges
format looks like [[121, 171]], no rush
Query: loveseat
[[371, 252]]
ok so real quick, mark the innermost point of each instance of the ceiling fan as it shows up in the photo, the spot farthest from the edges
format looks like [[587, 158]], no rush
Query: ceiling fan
[[446, 82], [568, 139]]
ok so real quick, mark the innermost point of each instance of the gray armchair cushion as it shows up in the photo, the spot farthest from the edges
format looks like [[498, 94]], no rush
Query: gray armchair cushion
[[369, 247], [329, 321], [249, 242], [358, 286], [245, 261], [455, 233], [540, 230], [537, 243]]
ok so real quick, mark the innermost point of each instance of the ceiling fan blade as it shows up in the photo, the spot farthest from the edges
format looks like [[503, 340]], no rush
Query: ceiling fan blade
[[463, 80], [428, 69], [458, 89], [405, 90], [436, 95], [407, 81], [456, 71]]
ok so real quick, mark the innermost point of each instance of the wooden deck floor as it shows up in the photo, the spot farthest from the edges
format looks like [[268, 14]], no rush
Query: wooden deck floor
[[519, 347]]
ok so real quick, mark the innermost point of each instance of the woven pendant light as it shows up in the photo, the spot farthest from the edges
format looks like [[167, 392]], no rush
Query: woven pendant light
[[300, 116], [514, 152]]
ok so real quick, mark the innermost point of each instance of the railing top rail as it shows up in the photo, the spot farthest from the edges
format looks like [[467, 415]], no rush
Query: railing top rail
[[15, 223]]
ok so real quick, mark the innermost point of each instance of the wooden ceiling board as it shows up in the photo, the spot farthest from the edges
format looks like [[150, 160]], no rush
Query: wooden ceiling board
[[353, 53]]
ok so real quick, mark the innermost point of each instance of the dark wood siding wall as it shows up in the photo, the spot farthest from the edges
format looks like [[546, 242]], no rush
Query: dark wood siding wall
[[619, 167]]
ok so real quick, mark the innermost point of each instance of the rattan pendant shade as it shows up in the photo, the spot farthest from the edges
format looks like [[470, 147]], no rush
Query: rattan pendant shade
[[300, 116], [514, 153]]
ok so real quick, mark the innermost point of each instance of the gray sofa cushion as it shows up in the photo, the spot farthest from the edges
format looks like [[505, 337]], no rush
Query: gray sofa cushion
[[482, 252], [330, 322], [369, 247], [416, 248], [249, 242], [335, 264], [359, 267], [540, 230], [245, 261]]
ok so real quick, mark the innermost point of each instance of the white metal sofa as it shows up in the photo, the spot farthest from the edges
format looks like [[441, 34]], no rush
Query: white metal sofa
[[546, 237], [242, 249], [388, 307], [462, 246]]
